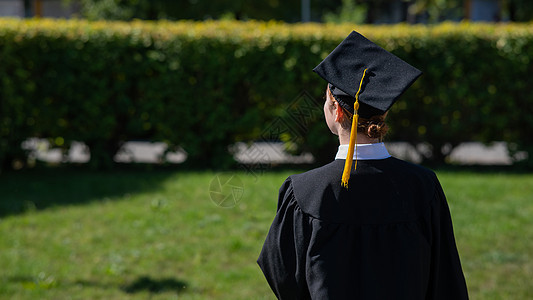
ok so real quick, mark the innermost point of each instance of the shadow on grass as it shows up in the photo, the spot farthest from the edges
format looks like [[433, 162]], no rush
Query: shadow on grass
[[38, 189], [147, 284], [141, 284]]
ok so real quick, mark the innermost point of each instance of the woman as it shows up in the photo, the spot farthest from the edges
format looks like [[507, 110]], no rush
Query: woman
[[366, 225]]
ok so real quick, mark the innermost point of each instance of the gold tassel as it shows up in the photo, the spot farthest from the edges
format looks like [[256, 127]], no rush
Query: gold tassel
[[353, 138]]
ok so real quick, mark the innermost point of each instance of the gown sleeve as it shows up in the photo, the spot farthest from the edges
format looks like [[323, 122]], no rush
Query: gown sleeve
[[446, 276], [282, 258]]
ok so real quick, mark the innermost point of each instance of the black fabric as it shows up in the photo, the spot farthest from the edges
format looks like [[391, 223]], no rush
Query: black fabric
[[365, 110], [389, 236], [386, 79]]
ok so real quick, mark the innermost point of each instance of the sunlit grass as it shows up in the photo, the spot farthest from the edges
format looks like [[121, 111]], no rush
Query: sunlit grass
[[158, 235], [493, 220]]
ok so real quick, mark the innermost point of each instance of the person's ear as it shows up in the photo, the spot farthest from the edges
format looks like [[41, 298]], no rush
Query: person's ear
[[339, 113]]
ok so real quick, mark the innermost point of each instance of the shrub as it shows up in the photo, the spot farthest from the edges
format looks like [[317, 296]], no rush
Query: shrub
[[203, 86]]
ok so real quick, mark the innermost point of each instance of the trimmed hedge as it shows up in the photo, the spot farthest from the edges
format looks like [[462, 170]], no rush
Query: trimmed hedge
[[203, 86]]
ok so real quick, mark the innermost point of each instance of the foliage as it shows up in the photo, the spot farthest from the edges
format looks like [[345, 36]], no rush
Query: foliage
[[206, 85], [349, 12], [518, 10], [288, 10], [158, 235], [335, 11], [438, 10]]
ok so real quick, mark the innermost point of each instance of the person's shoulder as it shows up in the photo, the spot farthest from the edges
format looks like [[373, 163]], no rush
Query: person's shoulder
[[411, 175], [328, 171], [300, 188], [319, 178], [410, 168], [314, 187]]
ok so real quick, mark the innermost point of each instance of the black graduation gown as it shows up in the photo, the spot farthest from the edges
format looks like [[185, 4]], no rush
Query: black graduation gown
[[389, 236]]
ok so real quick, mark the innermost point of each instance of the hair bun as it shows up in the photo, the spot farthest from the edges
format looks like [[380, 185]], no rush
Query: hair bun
[[375, 127]]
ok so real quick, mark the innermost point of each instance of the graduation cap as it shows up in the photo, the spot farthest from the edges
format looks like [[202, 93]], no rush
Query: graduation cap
[[366, 80]]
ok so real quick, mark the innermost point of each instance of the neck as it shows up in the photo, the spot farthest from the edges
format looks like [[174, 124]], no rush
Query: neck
[[344, 139]]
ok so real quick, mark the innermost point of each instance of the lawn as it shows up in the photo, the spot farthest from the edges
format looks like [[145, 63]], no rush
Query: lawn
[[73, 234]]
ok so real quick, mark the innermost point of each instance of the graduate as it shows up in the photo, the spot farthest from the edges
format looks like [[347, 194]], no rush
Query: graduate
[[367, 225]]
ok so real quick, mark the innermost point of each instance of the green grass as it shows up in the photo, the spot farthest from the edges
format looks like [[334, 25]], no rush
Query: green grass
[[68, 234]]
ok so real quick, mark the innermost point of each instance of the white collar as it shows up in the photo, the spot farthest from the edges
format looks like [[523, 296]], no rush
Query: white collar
[[364, 151]]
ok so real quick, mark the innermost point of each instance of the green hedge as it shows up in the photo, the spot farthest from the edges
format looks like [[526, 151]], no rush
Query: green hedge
[[203, 86]]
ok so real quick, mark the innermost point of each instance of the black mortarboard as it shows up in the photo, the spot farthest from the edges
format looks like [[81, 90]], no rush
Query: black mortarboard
[[365, 79], [387, 76]]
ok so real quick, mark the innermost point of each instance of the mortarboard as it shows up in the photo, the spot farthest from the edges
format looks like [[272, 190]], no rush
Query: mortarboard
[[365, 79]]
